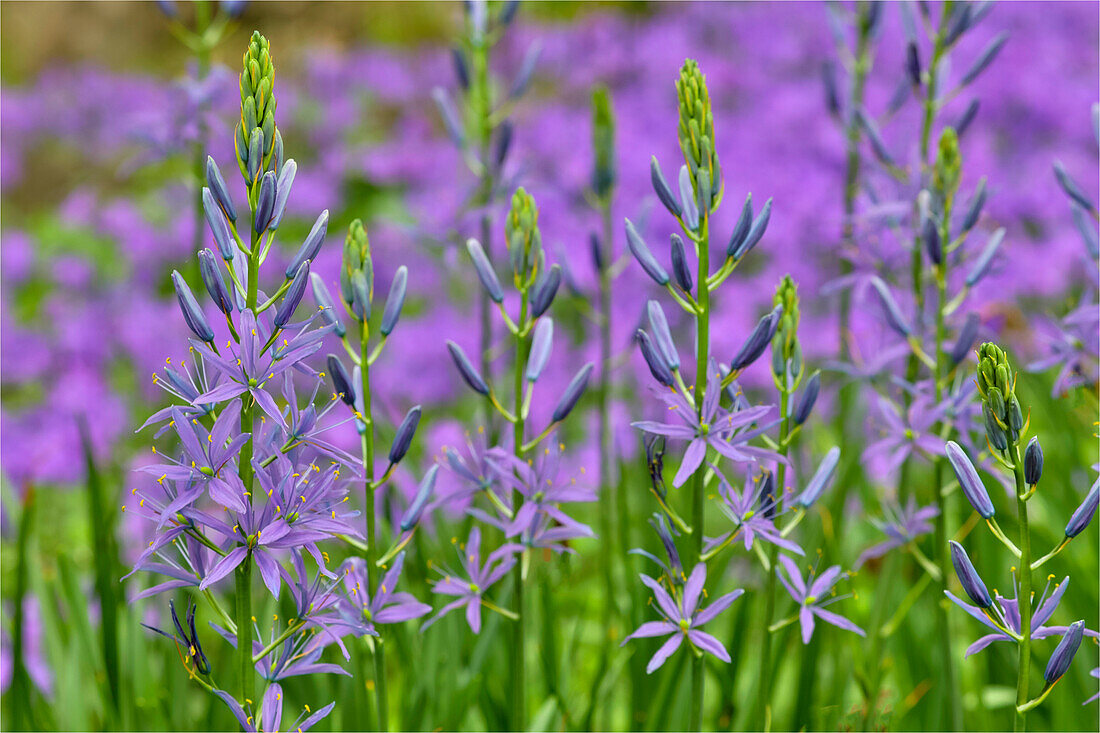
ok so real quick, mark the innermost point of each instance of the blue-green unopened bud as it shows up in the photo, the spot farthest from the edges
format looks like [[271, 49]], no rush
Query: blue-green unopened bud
[[541, 344], [572, 394], [1033, 462], [741, 228], [395, 301], [216, 184], [404, 436], [1064, 653], [756, 231], [653, 359], [282, 193], [645, 258], [485, 271], [680, 269], [662, 337], [466, 370], [968, 576], [265, 202], [545, 290], [311, 245], [192, 313], [661, 188], [1084, 513], [341, 381], [215, 219], [212, 279], [293, 296], [411, 517]]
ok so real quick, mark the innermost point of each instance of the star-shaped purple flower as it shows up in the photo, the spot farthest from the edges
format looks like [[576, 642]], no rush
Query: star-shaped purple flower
[[901, 527], [385, 605], [683, 617], [478, 579], [751, 516], [812, 599], [1008, 611], [720, 429]]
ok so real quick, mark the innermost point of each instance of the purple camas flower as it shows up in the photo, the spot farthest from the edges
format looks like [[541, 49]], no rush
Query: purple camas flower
[[907, 432], [751, 518], [268, 718], [1004, 615], [901, 526], [682, 618], [386, 605], [469, 586], [727, 432], [811, 594]]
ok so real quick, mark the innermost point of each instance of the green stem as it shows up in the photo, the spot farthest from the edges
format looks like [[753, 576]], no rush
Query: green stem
[[954, 706], [607, 476], [482, 103], [202, 63], [763, 713], [698, 489], [20, 687], [244, 570], [105, 560], [519, 656], [1024, 596], [367, 441]]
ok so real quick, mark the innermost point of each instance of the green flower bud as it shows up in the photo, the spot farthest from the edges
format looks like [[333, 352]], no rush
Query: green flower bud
[[1004, 415], [696, 126], [357, 263], [257, 84], [603, 142], [521, 229], [786, 349], [948, 165]]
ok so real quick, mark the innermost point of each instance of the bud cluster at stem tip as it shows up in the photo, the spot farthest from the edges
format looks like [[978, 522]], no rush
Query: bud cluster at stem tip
[[603, 142], [786, 349], [696, 129], [524, 240], [948, 165], [1004, 417], [256, 136], [357, 272]]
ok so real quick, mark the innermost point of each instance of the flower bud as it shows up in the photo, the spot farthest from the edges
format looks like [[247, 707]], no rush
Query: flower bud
[[821, 478], [402, 439], [255, 154], [484, 270], [311, 245], [192, 313], [664, 532], [325, 301], [395, 301], [572, 394], [756, 231], [1071, 188], [216, 184], [361, 297], [807, 399], [526, 71], [680, 269], [981, 265], [1033, 462], [1083, 514], [741, 228], [890, 307], [215, 219], [293, 296], [930, 235], [1064, 653], [282, 194], [758, 340], [645, 258], [341, 381], [265, 202], [878, 145], [695, 129], [603, 142], [912, 63], [541, 344], [968, 576], [462, 70], [466, 369], [969, 481], [660, 187], [985, 58], [653, 359], [411, 517], [521, 228], [967, 335], [948, 165], [545, 290], [687, 200], [502, 144], [963, 122], [449, 116], [212, 279], [767, 500], [662, 337], [974, 207]]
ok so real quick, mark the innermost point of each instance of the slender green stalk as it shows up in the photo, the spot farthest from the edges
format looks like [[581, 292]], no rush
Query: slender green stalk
[[1024, 596], [243, 573], [20, 686], [519, 655], [371, 552], [947, 664], [105, 577], [202, 64], [483, 126], [763, 697], [698, 486], [607, 473]]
